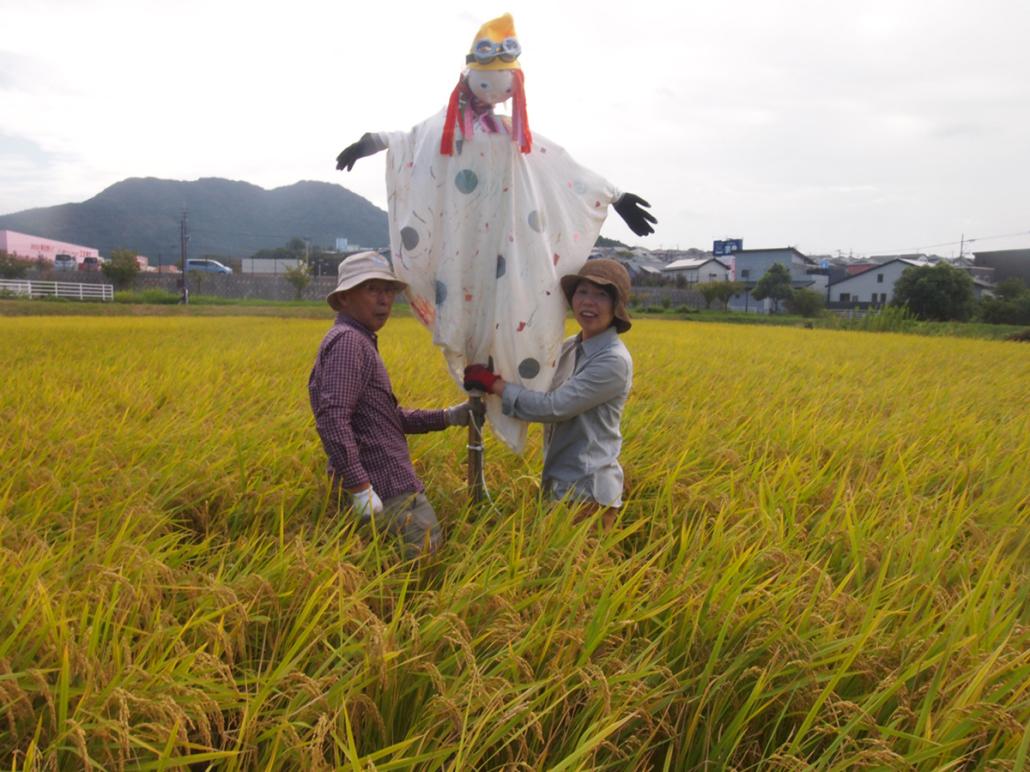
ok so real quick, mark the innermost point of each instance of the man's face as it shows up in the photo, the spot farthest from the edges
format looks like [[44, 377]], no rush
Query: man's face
[[369, 303]]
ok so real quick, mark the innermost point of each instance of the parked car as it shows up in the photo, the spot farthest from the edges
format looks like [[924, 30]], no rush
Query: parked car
[[207, 265], [65, 263], [90, 264]]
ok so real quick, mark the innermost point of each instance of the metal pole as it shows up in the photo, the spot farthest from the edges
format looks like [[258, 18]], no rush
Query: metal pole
[[477, 414], [184, 237]]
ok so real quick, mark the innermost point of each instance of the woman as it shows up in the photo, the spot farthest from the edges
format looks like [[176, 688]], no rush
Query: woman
[[584, 408]]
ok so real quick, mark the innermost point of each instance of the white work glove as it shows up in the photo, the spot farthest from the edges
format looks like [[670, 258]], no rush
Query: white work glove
[[366, 503], [458, 415]]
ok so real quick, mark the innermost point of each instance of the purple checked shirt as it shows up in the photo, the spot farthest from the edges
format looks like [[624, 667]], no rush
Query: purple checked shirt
[[358, 419]]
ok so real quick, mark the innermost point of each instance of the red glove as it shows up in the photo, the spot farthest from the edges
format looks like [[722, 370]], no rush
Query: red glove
[[480, 378]]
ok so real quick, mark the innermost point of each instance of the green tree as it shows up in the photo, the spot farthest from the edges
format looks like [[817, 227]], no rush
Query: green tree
[[775, 284], [1011, 304], [709, 291], [726, 290], [938, 292], [12, 266], [805, 302], [1010, 288], [299, 276], [122, 268], [719, 290]]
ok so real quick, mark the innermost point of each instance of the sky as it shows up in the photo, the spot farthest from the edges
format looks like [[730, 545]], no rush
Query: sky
[[881, 127]]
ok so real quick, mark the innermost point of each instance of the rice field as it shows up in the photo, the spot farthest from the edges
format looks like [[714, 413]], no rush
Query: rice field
[[823, 562]]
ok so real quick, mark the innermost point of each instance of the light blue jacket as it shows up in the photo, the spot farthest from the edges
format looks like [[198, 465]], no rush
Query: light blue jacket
[[584, 410]]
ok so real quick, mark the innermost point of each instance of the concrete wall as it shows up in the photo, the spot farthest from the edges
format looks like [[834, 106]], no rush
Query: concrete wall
[[671, 296]]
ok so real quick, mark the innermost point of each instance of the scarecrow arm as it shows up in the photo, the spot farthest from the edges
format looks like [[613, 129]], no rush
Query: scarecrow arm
[[631, 209], [369, 144]]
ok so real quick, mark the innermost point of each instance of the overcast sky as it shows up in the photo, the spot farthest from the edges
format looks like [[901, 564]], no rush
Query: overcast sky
[[877, 127]]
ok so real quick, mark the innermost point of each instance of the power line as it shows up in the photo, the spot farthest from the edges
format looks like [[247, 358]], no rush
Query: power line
[[945, 244]]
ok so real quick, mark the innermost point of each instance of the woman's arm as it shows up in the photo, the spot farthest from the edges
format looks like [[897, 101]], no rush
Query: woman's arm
[[603, 378]]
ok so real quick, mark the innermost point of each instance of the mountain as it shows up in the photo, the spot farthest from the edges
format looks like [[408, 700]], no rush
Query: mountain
[[226, 218]]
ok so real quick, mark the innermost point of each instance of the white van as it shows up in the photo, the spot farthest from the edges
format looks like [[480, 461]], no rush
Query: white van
[[65, 263]]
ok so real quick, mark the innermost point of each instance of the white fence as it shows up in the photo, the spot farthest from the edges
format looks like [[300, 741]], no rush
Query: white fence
[[56, 289]]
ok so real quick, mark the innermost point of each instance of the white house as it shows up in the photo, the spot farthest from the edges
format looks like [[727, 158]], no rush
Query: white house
[[699, 270], [873, 287]]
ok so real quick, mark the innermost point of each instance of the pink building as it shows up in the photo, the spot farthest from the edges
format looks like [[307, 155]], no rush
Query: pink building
[[35, 247]]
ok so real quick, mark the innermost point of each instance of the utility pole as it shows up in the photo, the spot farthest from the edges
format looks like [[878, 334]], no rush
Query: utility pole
[[962, 246], [184, 237]]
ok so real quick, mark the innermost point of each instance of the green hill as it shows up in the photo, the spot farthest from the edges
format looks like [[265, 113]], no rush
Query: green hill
[[226, 217]]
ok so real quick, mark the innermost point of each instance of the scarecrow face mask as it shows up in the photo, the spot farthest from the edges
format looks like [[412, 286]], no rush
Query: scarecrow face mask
[[490, 86]]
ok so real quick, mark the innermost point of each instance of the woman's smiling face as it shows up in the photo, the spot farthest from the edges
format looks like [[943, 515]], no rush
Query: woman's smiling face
[[593, 308]]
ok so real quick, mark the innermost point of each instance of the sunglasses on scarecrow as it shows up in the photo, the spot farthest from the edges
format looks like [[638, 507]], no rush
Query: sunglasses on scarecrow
[[486, 51]]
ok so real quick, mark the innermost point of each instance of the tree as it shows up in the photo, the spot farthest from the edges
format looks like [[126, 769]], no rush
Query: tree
[[1010, 288], [939, 292], [719, 290], [12, 266], [726, 290], [299, 277], [122, 268], [804, 302], [1011, 305], [775, 284], [709, 291]]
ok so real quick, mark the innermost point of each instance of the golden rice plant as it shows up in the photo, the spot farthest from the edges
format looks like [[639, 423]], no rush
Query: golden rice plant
[[822, 562]]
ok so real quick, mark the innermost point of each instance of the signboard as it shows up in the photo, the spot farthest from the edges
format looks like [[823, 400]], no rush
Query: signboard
[[727, 246]]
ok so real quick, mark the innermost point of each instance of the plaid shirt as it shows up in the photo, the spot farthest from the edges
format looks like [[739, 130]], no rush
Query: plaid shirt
[[361, 426]]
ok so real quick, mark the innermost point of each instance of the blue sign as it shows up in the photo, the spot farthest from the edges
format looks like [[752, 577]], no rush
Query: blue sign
[[727, 247]]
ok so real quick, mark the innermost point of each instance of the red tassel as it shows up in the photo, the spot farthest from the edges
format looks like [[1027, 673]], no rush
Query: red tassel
[[449, 122], [520, 119]]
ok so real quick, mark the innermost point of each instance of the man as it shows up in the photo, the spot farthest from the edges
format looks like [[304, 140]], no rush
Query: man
[[358, 419]]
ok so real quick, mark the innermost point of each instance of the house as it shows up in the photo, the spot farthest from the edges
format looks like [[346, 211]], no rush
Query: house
[[750, 265], [699, 270], [874, 287], [1007, 263]]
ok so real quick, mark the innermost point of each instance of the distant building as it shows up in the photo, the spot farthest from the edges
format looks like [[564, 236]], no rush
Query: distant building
[[750, 265], [39, 248], [873, 288], [699, 270], [1007, 263]]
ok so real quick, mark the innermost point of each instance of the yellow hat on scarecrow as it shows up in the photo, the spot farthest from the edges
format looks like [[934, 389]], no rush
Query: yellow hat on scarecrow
[[495, 46]]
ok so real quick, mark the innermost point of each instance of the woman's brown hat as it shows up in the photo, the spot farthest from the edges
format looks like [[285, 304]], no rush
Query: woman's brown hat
[[608, 273]]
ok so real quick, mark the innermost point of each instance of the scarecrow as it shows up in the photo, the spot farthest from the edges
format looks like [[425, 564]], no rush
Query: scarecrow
[[485, 217]]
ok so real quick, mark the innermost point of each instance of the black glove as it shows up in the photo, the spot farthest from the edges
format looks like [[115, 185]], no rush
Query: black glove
[[363, 147], [630, 208]]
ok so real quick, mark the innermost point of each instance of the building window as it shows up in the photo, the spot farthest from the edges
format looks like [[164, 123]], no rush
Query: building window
[[745, 274], [879, 278], [845, 297]]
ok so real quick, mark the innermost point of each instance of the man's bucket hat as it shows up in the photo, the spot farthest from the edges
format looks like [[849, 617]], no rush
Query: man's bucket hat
[[360, 267]]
